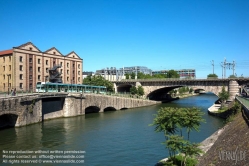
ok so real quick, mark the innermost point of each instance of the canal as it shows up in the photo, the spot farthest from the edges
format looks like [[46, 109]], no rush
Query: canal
[[113, 138]]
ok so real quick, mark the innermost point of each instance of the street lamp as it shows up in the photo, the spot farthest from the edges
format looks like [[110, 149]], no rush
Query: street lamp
[[8, 83]]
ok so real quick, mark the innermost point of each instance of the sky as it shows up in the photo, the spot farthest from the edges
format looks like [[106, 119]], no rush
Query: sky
[[158, 34]]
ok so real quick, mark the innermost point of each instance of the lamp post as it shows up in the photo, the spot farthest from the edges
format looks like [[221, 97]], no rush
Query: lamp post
[[8, 83]]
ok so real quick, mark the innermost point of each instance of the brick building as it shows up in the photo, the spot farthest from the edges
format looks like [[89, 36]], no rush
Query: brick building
[[23, 66]]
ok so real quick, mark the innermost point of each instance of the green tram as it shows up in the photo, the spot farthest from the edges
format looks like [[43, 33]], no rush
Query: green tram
[[77, 88]]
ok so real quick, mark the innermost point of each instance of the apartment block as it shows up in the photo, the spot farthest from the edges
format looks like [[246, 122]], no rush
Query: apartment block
[[23, 66]]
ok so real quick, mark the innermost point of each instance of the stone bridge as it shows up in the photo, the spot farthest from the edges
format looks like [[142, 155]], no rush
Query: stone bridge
[[160, 87], [24, 110]]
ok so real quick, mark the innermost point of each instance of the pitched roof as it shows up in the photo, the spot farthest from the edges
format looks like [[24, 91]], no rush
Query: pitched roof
[[6, 52], [54, 49], [28, 43], [73, 53]]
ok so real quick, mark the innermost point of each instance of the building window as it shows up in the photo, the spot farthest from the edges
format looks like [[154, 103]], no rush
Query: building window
[[67, 78], [30, 86], [54, 63], [73, 65], [61, 70], [46, 70], [61, 63], [3, 68], [20, 67], [9, 67], [67, 71], [54, 53], [9, 58], [39, 61], [78, 66], [73, 72], [3, 59], [3, 85], [39, 69], [30, 60], [20, 58], [79, 79], [4, 76], [46, 62], [73, 78], [78, 72], [39, 77], [21, 77], [30, 77], [30, 68], [30, 48], [67, 64], [21, 86]]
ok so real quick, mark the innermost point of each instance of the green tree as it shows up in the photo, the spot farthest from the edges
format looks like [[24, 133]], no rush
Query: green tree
[[132, 75], [140, 90], [133, 90], [191, 90], [223, 95], [172, 74], [232, 76], [171, 120], [127, 76], [98, 80], [212, 76], [190, 150], [192, 119]]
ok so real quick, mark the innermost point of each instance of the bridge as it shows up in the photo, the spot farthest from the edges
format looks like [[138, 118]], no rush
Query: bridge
[[157, 89], [37, 107]]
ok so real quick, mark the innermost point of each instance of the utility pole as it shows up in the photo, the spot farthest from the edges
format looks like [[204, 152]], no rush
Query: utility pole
[[222, 66], [233, 67], [225, 68], [136, 72], [213, 65]]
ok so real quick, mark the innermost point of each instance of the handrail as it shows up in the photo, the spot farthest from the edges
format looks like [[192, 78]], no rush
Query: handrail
[[177, 79]]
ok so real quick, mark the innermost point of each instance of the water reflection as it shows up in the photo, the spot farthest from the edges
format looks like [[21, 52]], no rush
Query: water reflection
[[108, 138]]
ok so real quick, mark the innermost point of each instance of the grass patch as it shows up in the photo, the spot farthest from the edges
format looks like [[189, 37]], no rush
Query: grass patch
[[178, 161], [222, 109]]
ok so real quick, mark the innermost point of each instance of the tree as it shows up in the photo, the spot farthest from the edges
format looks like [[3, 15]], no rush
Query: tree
[[98, 80], [191, 90], [232, 76], [223, 95], [172, 74], [127, 76], [140, 90], [212, 76], [133, 90], [171, 120]]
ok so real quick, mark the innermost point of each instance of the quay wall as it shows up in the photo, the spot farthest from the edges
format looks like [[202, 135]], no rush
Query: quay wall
[[24, 110]]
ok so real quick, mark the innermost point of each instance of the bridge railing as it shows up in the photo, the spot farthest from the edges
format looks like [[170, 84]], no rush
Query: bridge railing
[[178, 79], [126, 95]]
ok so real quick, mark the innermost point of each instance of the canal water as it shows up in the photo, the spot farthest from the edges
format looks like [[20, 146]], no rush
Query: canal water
[[114, 138]]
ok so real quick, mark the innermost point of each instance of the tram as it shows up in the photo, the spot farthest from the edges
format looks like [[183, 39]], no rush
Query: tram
[[77, 88]]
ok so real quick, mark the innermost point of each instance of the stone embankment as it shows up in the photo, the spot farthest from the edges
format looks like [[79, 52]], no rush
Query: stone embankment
[[24, 110], [227, 146]]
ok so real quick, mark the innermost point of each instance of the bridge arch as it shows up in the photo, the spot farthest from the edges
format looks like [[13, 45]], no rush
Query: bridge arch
[[109, 109], [8, 120], [92, 109], [161, 93], [124, 88]]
